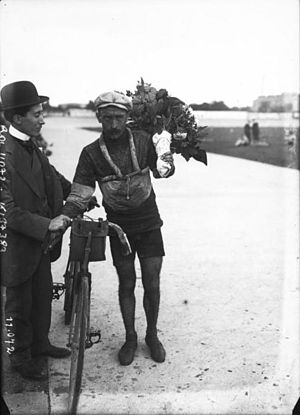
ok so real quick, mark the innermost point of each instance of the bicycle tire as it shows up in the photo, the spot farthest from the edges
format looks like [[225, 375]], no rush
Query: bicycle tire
[[78, 345], [69, 293]]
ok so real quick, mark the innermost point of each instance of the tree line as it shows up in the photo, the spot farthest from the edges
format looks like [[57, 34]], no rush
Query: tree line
[[265, 106], [217, 106]]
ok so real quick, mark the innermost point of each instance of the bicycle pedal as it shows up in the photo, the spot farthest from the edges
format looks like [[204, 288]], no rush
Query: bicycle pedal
[[57, 290], [93, 337], [88, 343]]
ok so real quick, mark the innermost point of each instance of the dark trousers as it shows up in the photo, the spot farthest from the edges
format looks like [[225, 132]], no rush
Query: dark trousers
[[28, 314]]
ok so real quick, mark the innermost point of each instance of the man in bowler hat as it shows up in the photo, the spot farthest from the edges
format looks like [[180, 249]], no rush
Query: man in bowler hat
[[32, 194]]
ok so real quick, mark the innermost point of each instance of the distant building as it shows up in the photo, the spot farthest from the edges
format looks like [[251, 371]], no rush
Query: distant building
[[73, 110], [71, 105], [286, 102]]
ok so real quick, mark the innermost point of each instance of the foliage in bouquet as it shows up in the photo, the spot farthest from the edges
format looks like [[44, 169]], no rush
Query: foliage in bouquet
[[154, 110]]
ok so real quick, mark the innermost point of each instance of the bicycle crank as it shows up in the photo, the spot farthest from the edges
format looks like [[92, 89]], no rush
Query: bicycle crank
[[57, 290], [92, 338]]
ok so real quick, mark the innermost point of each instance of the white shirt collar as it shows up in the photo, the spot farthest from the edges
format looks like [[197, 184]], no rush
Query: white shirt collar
[[18, 134]]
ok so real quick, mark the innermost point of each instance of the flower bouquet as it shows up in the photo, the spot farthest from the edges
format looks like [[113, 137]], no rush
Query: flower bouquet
[[154, 111]]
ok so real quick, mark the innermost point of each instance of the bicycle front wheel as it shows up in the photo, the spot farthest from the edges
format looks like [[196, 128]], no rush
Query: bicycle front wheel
[[78, 343]]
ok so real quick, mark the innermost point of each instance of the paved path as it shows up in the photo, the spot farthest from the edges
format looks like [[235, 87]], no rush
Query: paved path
[[229, 315]]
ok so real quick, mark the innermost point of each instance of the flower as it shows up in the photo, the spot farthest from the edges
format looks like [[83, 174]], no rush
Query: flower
[[154, 110]]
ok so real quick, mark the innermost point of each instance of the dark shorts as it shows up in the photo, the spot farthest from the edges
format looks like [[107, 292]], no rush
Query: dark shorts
[[145, 244]]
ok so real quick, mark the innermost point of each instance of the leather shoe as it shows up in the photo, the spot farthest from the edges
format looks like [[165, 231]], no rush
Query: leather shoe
[[126, 353], [56, 352], [28, 370], [157, 350]]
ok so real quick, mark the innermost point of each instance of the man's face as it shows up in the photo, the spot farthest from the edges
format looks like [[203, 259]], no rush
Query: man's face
[[113, 121], [31, 123]]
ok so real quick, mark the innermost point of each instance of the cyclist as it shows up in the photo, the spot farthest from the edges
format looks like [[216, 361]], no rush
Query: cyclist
[[120, 161]]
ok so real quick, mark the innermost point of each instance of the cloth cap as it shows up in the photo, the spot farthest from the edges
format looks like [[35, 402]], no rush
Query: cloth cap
[[113, 99], [20, 94]]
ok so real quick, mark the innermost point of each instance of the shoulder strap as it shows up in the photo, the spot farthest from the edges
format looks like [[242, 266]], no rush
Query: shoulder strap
[[133, 151], [107, 157]]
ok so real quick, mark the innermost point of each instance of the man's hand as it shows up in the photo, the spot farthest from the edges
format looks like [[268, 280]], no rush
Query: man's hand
[[92, 203], [168, 158], [60, 223]]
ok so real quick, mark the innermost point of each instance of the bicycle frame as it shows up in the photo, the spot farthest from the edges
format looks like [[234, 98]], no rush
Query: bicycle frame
[[80, 334]]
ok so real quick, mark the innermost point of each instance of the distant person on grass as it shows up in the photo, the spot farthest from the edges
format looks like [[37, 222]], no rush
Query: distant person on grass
[[247, 133], [255, 131], [245, 140], [119, 160]]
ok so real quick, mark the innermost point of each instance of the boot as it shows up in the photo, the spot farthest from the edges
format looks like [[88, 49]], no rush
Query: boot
[[158, 353], [126, 353]]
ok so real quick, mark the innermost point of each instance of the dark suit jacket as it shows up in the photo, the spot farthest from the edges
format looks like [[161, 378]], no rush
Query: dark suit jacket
[[27, 224]]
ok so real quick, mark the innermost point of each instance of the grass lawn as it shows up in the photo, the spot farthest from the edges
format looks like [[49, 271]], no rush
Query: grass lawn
[[221, 140]]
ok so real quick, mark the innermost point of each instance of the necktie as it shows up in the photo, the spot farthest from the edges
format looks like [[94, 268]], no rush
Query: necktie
[[28, 145]]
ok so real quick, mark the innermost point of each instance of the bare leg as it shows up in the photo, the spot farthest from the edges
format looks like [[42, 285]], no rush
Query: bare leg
[[151, 280], [127, 280]]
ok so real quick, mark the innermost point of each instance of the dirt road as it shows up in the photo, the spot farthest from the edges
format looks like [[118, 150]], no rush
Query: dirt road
[[229, 316]]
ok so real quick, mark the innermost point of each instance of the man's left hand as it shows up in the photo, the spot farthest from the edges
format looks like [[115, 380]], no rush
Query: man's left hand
[[92, 203], [59, 223], [168, 158]]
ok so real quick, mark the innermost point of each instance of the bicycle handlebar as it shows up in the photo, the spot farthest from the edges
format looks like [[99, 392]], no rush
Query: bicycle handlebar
[[125, 246], [52, 242]]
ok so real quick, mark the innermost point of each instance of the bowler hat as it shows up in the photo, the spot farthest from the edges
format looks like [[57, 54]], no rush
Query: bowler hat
[[20, 94], [113, 99]]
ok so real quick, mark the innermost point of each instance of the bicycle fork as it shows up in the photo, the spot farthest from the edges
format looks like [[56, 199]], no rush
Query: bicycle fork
[[93, 336]]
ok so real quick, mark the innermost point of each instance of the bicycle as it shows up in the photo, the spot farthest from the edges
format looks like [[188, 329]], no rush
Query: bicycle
[[87, 244]]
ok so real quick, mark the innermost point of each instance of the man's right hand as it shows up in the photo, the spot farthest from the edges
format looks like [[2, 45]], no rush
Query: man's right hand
[[60, 223]]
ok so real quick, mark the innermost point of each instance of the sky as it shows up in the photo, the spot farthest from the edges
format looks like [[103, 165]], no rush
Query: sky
[[199, 50]]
